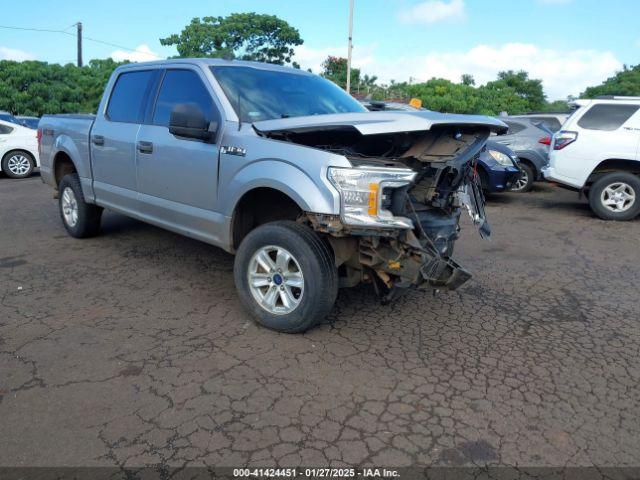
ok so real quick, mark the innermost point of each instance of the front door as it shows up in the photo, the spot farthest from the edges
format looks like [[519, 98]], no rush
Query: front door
[[178, 177]]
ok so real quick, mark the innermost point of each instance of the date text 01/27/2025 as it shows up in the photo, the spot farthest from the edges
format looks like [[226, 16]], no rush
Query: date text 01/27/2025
[[315, 472]]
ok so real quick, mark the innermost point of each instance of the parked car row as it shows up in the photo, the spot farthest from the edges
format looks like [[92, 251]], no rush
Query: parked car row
[[602, 162], [23, 121], [595, 151]]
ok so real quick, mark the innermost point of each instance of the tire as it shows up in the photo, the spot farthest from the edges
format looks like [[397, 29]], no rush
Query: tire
[[525, 182], [18, 164], [81, 219], [616, 196], [311, 267]]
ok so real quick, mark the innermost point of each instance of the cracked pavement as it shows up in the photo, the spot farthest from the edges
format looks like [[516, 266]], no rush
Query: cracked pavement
[[131, 349]]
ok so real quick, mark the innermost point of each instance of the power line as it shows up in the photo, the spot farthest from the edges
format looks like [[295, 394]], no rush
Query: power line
[[38, 29], [47, 30]]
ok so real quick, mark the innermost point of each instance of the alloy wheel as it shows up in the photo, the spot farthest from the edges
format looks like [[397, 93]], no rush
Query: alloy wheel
[[19, 164], [522, 182], [618, 197], [276, 280], [69, 207]]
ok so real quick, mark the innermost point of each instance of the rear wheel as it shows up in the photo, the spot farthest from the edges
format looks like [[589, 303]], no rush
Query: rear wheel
[[615, 196], [18, 164], [285, 276], [81, 219], [525, 182]]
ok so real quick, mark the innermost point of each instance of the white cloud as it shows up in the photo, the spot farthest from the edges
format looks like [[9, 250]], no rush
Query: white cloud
[[432, 11], [142, 53], [562, 72], [14, 54]]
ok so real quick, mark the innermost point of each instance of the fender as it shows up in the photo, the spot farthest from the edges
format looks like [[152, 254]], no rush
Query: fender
[[311, 195], [65, 144]]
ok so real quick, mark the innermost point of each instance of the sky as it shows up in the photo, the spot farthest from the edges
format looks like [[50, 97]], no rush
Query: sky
[[568, 44]]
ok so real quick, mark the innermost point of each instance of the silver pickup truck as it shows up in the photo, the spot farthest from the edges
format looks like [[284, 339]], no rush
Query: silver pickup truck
[[282, 168]]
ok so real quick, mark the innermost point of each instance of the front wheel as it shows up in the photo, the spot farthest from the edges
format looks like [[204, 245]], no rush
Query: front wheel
[[18, 164], [615, 196], [285, 276], [525, 182]]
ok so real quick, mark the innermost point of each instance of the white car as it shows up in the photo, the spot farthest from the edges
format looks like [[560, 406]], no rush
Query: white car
[[18, 150], [596, 152]]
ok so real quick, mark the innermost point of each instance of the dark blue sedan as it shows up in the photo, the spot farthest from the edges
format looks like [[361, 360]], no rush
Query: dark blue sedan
[[497, 168]]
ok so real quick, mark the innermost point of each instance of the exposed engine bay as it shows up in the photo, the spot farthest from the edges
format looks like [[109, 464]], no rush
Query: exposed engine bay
[[444, 160]]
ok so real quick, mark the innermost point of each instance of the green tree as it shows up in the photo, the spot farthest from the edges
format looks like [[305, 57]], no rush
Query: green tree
[[36, 88], [625, 83], [444, 96], [467, 79], [335, 69], [557, 106], [245, 36], [530, 90]]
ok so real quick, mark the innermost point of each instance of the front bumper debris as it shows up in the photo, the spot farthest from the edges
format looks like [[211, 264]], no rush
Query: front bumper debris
[[471, 198]]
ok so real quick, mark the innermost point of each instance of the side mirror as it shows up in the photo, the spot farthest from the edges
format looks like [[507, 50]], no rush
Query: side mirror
[[188, 120]]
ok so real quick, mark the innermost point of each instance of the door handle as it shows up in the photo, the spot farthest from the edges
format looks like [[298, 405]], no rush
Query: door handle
[[145, 147], [97, 140]]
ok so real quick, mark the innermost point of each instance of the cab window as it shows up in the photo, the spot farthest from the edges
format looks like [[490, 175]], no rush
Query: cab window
[[183, 86]]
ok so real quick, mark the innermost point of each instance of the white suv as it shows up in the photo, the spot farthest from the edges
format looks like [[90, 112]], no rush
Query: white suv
[[597, 152]]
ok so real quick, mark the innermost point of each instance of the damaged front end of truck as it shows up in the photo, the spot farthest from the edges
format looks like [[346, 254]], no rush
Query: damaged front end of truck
[[411, 177]]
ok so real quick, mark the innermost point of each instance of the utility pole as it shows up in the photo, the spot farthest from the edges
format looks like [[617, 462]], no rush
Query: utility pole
[[350, 47], [79, 30]]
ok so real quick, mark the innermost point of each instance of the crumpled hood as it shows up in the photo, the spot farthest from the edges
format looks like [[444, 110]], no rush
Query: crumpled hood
[[373, 123]]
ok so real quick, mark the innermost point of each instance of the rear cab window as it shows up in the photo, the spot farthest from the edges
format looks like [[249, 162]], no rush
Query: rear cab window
[[5, 130], [606, 116], [128, 97]]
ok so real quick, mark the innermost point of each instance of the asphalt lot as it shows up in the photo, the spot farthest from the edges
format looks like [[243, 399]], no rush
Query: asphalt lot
[[131, 348]]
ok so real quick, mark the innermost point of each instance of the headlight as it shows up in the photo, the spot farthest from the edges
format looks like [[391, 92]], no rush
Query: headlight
[[501, 158], [361, 191]]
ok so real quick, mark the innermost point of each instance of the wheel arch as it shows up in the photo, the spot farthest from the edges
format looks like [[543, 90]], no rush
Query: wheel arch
[[611, 165], [62, 165], [258, 206], [526, 159]]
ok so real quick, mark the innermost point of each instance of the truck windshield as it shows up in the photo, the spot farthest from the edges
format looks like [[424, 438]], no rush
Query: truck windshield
[[258, 94]]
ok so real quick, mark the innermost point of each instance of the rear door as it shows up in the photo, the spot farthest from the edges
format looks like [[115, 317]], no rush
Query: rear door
[[113, 139], [177, 176]]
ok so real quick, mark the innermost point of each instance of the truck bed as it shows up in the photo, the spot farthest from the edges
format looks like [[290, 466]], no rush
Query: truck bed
[[67, 134]]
